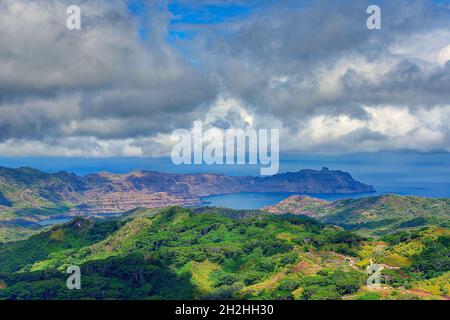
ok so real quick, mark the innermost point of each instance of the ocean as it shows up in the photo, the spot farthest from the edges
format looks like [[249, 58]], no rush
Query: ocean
[[402, 173]]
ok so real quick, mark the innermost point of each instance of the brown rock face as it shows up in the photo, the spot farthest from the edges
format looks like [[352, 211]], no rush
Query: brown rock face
[[106, 193], [200, 185], [118, 202]]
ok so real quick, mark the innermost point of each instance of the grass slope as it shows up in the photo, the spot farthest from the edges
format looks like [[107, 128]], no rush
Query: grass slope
[[187, 254], [372, 215]]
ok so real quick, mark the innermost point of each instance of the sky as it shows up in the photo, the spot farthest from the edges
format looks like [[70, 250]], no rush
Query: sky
[[138, 70]]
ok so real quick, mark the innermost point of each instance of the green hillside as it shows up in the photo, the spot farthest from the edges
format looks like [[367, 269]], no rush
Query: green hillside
[[372, 215], [10, 233], [28, 195], [186, 254], [74, 235]]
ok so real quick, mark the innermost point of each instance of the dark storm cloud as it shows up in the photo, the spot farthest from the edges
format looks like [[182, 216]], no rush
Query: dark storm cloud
[[285, 62], [302, 45], [110, 72], [408, 84]]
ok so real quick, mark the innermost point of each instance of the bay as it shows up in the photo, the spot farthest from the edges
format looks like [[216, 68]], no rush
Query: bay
[[402, 173]]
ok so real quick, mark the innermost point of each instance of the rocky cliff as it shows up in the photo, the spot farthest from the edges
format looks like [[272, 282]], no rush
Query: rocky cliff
[[31, 194]]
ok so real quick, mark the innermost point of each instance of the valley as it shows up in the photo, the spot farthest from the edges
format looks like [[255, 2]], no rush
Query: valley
[[147, 235], [218, 253]]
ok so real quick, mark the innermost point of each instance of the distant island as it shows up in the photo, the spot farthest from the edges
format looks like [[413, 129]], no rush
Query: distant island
[[28, 195]]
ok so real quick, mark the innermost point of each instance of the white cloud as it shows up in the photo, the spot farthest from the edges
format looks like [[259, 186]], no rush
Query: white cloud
[[444, 55], [425, 46], [103, 91], [385, 128]]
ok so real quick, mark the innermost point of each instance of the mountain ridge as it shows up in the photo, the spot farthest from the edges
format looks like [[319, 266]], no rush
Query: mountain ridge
[[34, 195], [392, 212]]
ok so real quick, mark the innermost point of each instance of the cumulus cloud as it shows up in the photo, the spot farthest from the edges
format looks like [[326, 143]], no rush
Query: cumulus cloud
[[402, 129], [102, 81], [311, 69], [319, 63]]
